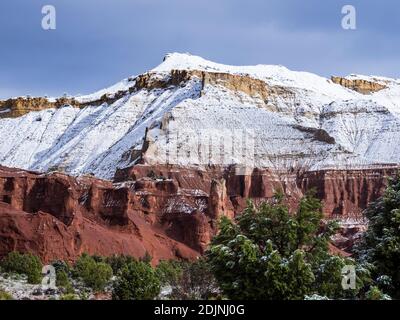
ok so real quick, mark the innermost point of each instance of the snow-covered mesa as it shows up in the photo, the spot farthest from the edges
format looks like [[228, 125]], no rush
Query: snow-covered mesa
[[307, 121]]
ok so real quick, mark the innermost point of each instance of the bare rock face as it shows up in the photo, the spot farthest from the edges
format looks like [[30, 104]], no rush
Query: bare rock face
[[359, 85], [17, 107], [344, 194], [59, 217], [170, 212], [236, 83], [347, 192], [13, 108], [219, 204]]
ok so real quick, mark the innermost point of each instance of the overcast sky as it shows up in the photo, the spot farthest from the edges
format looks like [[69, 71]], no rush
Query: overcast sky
[[99, 42]]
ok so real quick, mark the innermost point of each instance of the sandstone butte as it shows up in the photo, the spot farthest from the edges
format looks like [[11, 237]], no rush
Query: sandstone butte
[[89, 179]]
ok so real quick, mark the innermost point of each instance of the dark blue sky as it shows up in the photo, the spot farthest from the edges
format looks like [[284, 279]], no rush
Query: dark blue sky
[[99, 42]]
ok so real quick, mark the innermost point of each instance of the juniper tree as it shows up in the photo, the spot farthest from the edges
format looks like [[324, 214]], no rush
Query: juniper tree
[[271, 253], [380, 245]]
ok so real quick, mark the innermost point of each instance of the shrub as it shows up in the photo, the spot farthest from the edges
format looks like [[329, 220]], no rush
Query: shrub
[[194, 281], [117, 262], [27, 264], [94, 274], [379, 245], [137, 280], [374, 293], [5, 295], [69, 296], [169, 272], [62, 281], [61, 265], [62, 274]]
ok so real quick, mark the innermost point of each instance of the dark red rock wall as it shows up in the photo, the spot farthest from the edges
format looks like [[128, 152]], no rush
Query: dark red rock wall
[[345, 193], [167, 211], [59, 217]]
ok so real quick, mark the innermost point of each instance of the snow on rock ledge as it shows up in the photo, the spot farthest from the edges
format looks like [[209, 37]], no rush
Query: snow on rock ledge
[[291, 118]]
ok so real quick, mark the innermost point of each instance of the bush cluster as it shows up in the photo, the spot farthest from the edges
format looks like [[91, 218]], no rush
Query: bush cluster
[[23, 263]]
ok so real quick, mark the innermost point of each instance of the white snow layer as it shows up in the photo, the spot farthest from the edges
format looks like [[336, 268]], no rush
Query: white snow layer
[[321, 125]]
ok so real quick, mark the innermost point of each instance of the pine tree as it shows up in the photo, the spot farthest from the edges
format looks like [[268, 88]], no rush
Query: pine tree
[[271, 253], [136, 280], [380, 245]]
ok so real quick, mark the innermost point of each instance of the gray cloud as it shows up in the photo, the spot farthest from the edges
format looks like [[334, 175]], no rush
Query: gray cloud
[[99, 42]]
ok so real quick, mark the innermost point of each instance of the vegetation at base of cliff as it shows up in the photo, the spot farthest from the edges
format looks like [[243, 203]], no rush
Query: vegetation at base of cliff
[[23, 263], [169, 272], [5, 295], [69, 296], [269, 253], [94, 274], [117, 262], [136, 280], [63, 272], [122, 277], [380, 244], [194, 282]]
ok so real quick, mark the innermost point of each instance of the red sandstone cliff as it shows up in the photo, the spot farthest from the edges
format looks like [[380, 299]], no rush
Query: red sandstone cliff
[[169, 212], [59, 217]]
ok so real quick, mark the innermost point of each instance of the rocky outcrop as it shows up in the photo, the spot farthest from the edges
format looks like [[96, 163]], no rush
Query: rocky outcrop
[[237, 83], [13, 108], [17, 107], [317, 134], [345, 193], [359, 85], [219, 204], [59, 217]]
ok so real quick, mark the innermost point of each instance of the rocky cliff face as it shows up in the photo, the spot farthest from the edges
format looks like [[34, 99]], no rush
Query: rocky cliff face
[[17, 107], [344, 193], [59, 217], [245, 84], [167, 211], [20, 106], [359, 85]]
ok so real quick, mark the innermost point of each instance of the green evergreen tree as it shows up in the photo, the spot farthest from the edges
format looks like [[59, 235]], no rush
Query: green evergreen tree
[[380, 245], [117, 262], [169, 272], [24, 263], [271, 253], [136, 280], [94, 274]]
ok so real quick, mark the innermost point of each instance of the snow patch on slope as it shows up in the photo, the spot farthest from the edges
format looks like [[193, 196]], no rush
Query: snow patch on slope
[[318, 124]]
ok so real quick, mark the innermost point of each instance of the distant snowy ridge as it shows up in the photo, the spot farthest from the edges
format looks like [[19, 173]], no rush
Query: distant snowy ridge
[[306, 120]]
